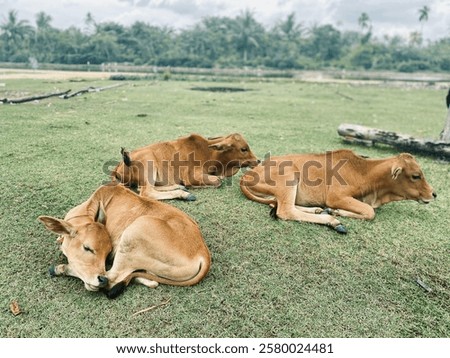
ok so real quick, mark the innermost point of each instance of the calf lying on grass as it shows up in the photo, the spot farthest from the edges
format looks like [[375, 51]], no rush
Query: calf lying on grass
[[162, 170], [148, 240], [300, 186]]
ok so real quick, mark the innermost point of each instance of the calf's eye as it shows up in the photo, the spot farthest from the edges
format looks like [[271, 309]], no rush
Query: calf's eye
[[87, 248], [416, 176]]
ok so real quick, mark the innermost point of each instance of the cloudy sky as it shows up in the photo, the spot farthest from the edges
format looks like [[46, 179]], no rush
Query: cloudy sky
[[391, 17]]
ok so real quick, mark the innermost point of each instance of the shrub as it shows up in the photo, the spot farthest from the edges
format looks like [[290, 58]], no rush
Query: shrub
[[413, 66]]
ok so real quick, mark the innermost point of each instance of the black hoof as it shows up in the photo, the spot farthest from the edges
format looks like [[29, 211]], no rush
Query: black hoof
[[341, 229], [116, 290], [51, 271], [327, 211], [273, 213], [191, 197]]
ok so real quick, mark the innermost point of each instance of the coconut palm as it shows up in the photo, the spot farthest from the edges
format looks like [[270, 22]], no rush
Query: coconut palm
[[43, 41], [364, 21], [15, 34], [290, 29], [423, 16], [247, 32]]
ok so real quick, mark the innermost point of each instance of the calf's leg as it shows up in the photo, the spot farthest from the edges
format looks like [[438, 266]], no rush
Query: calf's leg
[[352, 208], [287, 210], [150, 192]]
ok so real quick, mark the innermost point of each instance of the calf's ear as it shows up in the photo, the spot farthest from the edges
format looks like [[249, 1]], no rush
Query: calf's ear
[[100, 217], [221, 146], [126, 157], [396, 172], [58, 226]]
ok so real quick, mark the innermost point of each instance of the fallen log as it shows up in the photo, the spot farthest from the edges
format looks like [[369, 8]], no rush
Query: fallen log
[[33, 98], [91, 89], [63, 95], [353, 133]]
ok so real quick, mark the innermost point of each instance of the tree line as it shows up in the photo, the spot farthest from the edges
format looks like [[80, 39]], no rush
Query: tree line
[[222, 42]]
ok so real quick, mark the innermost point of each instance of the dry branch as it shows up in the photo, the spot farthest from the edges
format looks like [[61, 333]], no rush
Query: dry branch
[[151, 308], [370, 136], [90, 90], [64, 95], [33, 98], [423, 285]]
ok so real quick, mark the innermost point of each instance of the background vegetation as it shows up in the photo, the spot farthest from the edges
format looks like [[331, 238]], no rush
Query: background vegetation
[[268, 278], [222, 42]]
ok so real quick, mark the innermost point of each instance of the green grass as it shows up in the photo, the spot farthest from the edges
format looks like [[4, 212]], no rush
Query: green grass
[[268, 278]]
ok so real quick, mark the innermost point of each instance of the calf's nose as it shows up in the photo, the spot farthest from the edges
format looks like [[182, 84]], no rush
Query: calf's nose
[[434, 195], [103, 281]]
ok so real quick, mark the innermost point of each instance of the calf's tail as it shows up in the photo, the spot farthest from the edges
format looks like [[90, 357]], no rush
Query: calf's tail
[[204, 265], [250, 194]]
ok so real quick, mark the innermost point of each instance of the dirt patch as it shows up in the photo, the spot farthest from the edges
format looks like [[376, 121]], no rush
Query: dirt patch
[[380, 79], [51, 75], [219, 89]]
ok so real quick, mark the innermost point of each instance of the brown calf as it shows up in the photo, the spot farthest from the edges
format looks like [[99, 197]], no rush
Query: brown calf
[[147, 240], [163, 170], [301, 185]]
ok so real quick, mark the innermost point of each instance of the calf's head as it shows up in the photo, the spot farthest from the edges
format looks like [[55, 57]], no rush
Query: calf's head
[[86, 247], [232, 151], [410, 183], [127, 171]]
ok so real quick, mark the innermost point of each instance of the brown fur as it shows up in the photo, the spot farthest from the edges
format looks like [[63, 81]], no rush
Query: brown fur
[[301, 185], [147, 239], [193, 161]]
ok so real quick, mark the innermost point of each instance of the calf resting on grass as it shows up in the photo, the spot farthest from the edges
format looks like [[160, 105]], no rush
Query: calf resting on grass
[[163, 170], [148, 240], [300, 186]]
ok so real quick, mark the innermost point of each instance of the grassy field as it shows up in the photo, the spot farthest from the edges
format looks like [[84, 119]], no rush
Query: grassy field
[[268, 278]]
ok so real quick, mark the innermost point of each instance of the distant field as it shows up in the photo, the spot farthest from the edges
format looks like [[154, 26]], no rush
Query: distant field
[[13, 74], [268, 278], [381, 78]]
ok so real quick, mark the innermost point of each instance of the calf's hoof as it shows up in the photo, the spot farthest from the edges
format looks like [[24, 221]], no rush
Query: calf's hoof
[[191, 197], [116, 290], [273, 213], [341, 229], [327, 211], [52, 271]]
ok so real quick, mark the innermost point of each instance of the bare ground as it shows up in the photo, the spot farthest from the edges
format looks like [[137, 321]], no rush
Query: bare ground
[[382, 79], [50, 75]]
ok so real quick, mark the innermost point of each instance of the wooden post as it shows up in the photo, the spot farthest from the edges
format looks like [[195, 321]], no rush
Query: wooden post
[[445, 135]]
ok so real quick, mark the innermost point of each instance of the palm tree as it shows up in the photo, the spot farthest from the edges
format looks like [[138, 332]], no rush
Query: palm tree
[[415, 38], [90, 25], [15, 34], [247, 33], [364, 21], [283, 42], [42, 38], [423, 12], [423, 16], [290, 29], [43, 21]]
